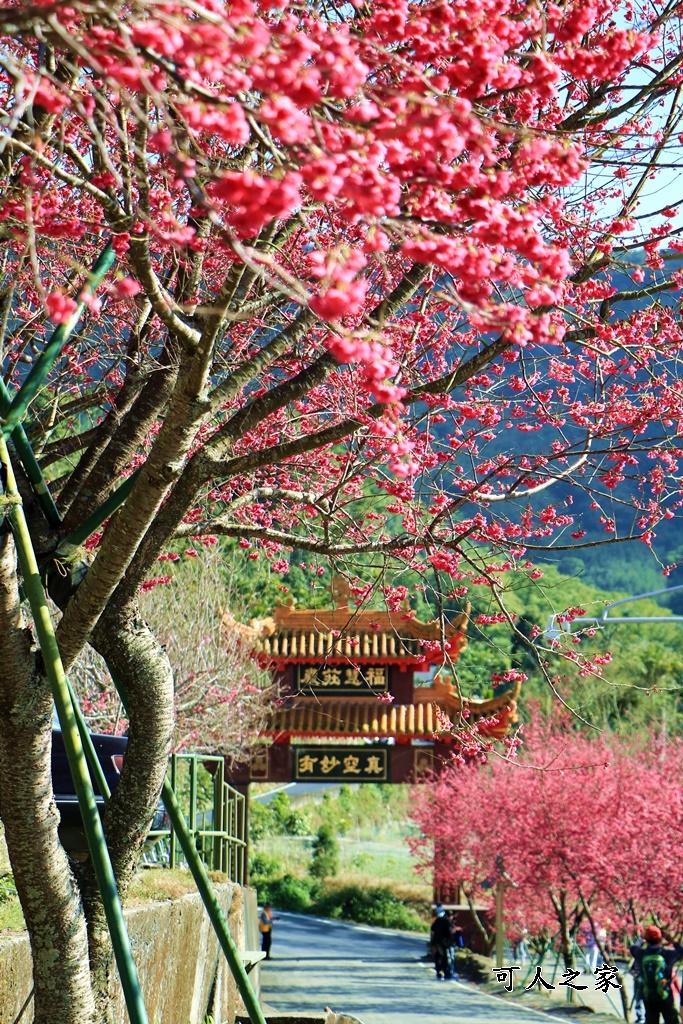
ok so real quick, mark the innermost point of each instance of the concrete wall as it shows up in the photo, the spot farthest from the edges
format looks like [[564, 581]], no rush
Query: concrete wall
[[183, 973]]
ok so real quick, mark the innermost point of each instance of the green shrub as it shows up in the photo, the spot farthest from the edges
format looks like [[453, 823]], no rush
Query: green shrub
[[374, 905], [288, 893], [325, 863], [277, 818], [286, 820], [262, 867]]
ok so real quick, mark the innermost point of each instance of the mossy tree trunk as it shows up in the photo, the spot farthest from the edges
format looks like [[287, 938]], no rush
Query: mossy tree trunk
[[50, 899]]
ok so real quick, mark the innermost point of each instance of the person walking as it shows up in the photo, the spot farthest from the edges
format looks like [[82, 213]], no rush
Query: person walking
[[521, 952], [655, 965], [676, 991], [441, 942], [266, 928], [591, 949], [456, 942], [637, 1001]]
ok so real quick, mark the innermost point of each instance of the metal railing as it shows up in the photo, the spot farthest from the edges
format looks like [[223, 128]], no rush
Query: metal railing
[[219, 832]]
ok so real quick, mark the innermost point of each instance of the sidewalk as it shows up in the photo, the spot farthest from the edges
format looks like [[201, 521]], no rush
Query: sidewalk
[[375, 975], [597, 1002]]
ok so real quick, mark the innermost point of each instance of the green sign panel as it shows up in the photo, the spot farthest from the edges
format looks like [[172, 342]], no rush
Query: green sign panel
[[341, 764], [363, 680]]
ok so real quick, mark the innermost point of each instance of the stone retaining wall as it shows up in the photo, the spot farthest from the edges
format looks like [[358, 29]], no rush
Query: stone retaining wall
[[183, 973]]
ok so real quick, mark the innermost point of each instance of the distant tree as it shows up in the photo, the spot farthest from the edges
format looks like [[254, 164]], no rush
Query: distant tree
[[287, 820], [332, 813], [325, 862], [221, 695], [585, 828]]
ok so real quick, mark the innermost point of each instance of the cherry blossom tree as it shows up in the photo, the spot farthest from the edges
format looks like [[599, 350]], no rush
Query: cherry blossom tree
[[221, 696], [585, 830], [354, 246]]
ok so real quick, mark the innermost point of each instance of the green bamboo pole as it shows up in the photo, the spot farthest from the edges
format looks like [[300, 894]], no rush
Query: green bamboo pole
[[106, 509], [28, 460], [88, 748], [72, 742], [53, 349], [212, 905], [203, 883]]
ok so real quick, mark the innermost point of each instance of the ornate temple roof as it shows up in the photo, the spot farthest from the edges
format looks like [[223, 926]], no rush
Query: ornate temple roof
[[306, 635], [345, 634], [434, 714]]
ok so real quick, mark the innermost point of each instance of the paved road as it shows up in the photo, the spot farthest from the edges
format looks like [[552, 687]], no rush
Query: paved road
[[373, 974]]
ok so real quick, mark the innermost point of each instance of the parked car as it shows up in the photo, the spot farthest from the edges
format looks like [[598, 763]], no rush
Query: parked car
[[110, 752]]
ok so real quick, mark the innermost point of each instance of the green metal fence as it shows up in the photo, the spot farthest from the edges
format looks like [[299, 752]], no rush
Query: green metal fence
[[219, 831]]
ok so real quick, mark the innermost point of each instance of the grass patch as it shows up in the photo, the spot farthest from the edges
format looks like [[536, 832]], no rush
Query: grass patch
[[163, 884], [11, 917], [146, 886]]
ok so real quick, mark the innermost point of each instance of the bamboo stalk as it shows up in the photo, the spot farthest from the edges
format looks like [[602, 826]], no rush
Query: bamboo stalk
[[106, 509], [199, 874], [203, 883], [33, 589], [29, 462], [71, 716], [53, 349], [212, 905], [88, 748]]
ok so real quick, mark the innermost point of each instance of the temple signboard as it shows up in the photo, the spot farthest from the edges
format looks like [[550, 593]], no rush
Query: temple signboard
[[340, 764], [327, 680]]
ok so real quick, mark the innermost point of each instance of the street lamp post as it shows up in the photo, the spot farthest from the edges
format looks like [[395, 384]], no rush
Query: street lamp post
[[554, 629], [500, 934]]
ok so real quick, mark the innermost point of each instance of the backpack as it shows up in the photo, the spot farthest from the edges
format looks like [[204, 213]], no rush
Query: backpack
[[656, 985]]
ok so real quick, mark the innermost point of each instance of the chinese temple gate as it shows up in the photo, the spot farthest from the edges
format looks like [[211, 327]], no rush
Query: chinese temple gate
[[349, 708]]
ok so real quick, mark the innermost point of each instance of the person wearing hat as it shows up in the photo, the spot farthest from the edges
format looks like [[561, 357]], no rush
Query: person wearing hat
[[654, 964]]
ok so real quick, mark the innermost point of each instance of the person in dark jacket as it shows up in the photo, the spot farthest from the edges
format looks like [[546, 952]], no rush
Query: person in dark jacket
[[441, 941], [654, 964]]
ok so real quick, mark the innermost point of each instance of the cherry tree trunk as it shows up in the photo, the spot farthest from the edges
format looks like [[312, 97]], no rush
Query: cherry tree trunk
[[134, 654], [49, 896], [566, 939]]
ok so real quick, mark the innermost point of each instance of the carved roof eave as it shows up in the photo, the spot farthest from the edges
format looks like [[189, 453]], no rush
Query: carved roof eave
[[358, 717], [355, 620], [308, 635], [446, 696]]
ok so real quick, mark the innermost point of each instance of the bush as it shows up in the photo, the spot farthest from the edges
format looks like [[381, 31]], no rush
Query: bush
[[325, 863], [277, 818], [287, 821], [374, 905], [261, 868], [289, 893]]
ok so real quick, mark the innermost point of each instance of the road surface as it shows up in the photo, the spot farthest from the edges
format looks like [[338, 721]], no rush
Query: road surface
[[373, 974]]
